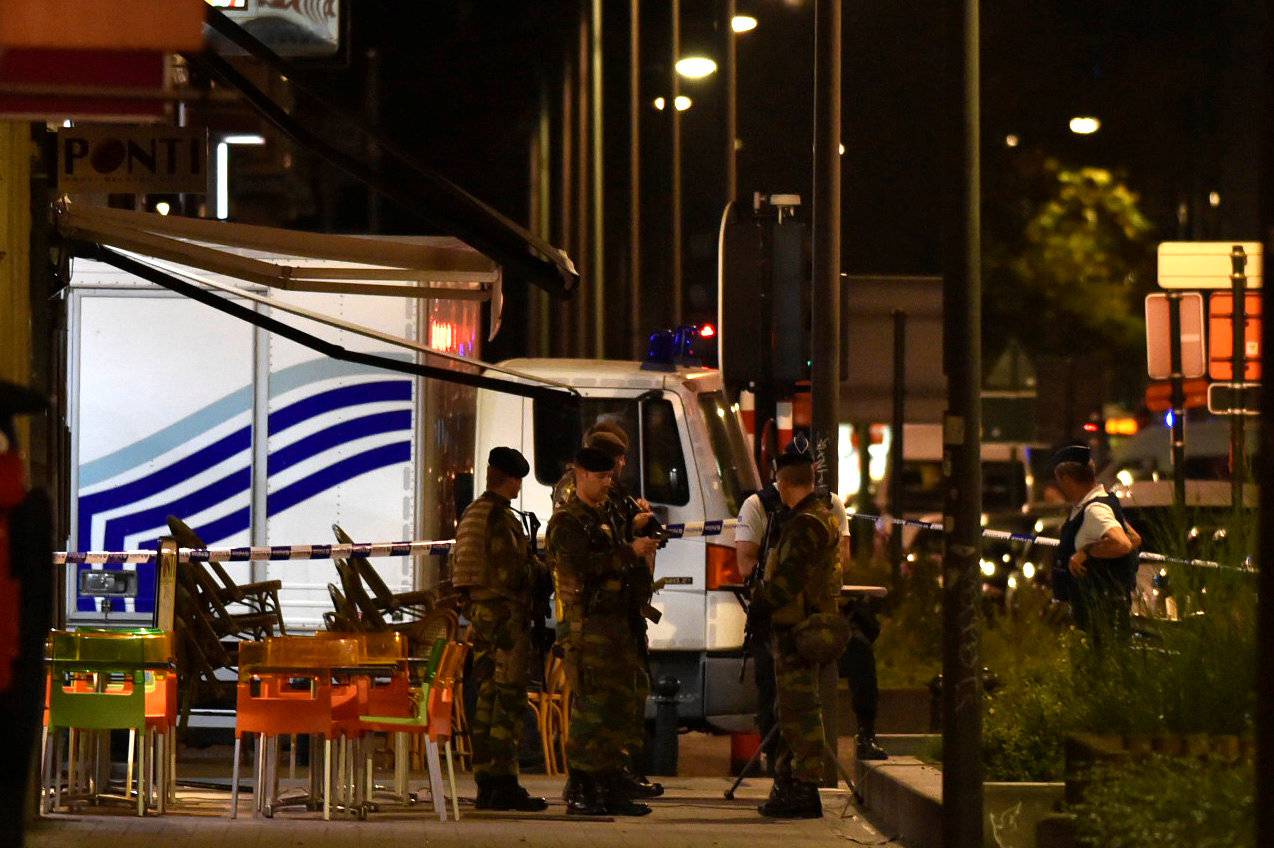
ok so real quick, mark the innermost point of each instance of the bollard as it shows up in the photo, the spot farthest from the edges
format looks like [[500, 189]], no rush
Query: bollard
[[663, 752]]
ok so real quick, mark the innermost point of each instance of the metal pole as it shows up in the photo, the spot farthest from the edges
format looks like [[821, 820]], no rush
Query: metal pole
[[1238, 459], [962, 295], [565, 330], [1265, 527], [545, 225], [634, 178], [581, 189], [1178, 402], [730, 91], [897, 423], [599, 192], [825, 379], [675, 115]]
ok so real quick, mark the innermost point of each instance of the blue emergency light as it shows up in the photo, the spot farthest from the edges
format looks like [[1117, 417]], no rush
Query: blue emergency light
[[687, 345]]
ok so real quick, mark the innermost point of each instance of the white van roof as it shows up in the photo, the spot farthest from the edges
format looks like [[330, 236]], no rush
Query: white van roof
[[608, 373]]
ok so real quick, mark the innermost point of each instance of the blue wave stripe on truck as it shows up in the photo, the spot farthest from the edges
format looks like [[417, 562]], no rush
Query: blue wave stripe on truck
[[205, 458]]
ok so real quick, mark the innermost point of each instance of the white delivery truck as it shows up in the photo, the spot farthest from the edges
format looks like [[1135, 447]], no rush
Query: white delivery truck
[[689, 458]]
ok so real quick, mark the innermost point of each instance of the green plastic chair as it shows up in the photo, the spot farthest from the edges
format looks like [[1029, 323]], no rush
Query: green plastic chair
[[97, 683], [418, 722]]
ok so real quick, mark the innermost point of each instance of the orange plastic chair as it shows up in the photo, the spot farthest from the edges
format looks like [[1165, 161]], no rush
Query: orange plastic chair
[[270, 704]]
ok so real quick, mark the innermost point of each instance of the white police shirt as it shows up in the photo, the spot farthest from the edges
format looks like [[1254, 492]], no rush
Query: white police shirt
[[1098, 518], [753, 520]]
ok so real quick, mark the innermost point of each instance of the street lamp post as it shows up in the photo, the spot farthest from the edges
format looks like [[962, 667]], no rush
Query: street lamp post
[[675, 122]]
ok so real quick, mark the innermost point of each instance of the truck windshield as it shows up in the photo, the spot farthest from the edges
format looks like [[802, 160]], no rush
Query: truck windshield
[[729, 450], [559, 428]]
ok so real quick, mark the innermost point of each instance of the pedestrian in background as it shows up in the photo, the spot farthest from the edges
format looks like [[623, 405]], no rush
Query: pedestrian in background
[[1096, 562]]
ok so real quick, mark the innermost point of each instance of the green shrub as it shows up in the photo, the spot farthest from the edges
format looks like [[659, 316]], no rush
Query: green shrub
[[1168, 801]]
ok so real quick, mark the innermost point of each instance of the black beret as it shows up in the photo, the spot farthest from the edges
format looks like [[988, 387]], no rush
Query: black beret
[[607, 443], [1073, 453], [793, 458], [592, 459], [510, 461]]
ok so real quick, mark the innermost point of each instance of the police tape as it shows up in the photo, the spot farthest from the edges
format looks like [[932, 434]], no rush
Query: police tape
[[1045, 541], [306, 553], [688, 530]]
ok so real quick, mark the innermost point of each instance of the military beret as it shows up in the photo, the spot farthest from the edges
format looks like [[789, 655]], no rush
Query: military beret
[[607, 443], [789, 458], [510, 461], [1073, 453], [610, 427], [593, 459]]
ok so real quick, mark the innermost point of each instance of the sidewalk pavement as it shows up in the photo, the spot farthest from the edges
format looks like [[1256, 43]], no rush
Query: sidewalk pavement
[[693, 812]]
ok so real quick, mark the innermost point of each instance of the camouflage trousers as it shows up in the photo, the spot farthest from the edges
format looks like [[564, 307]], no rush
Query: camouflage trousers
[[601, 667], [635, 730], [800, 750], [501, 637]]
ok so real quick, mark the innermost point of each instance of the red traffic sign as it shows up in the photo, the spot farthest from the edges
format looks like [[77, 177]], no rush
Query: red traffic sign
[[1221, 336], [1234, 398], [1159, 395], [1159, 336]]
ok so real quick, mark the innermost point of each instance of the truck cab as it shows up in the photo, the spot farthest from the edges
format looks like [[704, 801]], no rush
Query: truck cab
[[689, 458]]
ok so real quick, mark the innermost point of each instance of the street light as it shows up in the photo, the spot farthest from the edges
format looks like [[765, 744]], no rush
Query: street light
[[1085, 125], [222, 186], [681, 102], [696, 67], [742, 23]]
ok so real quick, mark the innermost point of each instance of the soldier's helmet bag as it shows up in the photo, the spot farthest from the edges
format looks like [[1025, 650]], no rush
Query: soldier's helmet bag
[[821, 638]]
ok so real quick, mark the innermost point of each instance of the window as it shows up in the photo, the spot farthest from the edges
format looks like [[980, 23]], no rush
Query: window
[[559, 428], [663, 463], [729, 450]]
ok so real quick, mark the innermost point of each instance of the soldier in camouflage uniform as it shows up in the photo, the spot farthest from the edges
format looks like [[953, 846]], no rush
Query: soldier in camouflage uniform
[[590, 558], [802, 577], [610, 438], [494, 568]]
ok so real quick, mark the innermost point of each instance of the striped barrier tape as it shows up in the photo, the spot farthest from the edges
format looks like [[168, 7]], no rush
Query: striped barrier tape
[[688, 530]]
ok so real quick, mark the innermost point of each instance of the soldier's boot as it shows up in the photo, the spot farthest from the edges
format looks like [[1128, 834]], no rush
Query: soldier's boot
[[507, 794], [638, 785], [867, 747], [483, 801], [779, 792], [583, 797], [799, 801], [619, 802]]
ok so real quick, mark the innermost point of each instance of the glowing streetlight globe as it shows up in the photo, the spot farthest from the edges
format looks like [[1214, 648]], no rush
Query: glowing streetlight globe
[[696, 67], [1085, 125], [743, 23]]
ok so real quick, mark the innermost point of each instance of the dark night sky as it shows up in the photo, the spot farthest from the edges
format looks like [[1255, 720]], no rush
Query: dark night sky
[[1174, 84]]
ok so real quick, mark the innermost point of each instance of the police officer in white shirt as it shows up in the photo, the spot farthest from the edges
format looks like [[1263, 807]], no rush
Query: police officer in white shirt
[[759, 520], [1096, 561]]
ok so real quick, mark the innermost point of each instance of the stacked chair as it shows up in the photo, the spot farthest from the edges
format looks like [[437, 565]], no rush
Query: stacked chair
[[100, 681], [213, 614], [552, 706]]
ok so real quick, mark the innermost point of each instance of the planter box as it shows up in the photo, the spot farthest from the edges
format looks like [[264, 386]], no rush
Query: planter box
[[1014, 811], [906, 795]]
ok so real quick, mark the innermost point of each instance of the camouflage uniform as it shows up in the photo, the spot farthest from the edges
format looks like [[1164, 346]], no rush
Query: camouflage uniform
[[494, 566], [802, 577], [589, 561], [639, 591]]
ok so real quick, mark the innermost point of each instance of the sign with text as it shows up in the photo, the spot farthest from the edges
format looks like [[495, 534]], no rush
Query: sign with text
[[132, 160], [1207, 264], [1159, 339], [1221, 336]]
